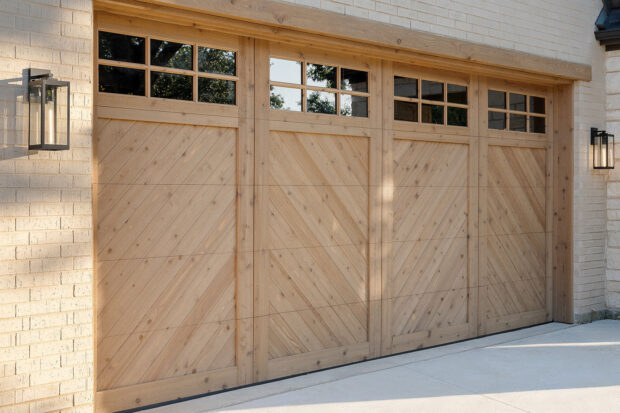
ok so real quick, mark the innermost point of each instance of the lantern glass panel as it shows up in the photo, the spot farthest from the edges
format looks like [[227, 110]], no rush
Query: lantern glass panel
[[34, 137], [57, 133], [596, 152], [607, 151], [611, 152]]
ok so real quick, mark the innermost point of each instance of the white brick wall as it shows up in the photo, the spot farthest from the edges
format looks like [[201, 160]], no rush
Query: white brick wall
[[46, 349], [560, 29], [613, 186]]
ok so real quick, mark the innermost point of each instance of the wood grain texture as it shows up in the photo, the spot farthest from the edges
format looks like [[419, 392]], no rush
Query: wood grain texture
[[317, 244], [429, 262], [563, 143], [515, 282], [166, 292]]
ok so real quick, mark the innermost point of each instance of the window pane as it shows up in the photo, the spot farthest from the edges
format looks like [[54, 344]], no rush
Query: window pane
[[121, 80], [537, 105], [457, 116], [405, 87], [432, 114], [517, 102], [407, 111], [432, 90], [537, 124], [285, 98], [497, 120], [497, 99], [217, 91], [321, 102], [120, 47], [457, 94], [517, 123], [351, 105], [171, 86], [288, 71], [355, 80], [321, 75], [217, 61], [170, 54]]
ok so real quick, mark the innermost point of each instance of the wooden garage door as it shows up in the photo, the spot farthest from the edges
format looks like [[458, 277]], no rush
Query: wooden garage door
[[264, 210], [516, 210], [173, 222], [430, 210], [317, 208]]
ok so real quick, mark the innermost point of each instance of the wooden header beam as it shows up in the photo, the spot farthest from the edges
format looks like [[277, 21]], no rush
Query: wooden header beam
[[279, 21]]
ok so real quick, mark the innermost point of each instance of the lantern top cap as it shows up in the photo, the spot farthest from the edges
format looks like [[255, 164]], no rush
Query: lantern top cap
[[36, 77], [38, 73]]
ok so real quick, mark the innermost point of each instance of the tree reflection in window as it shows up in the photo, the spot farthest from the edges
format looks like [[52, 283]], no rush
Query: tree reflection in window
[[325, 89], [122, 48], [223, 62], [321, 102], [216, 91], [170, 54], [171, 86], [321, 75], [285, 98], [276, 99], [171, 68]]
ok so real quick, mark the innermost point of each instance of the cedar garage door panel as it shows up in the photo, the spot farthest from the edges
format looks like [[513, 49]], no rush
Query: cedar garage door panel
[[166, 229], [318, 220], [316, 237], [516, 256], [429, 242]]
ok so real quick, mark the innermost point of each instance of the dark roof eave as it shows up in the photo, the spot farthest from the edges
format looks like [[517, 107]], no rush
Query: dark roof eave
[[603, 35]]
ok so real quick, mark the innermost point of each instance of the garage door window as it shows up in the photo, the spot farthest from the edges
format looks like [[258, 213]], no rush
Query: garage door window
[[516, 112], [162, 68], [299, 86], [429, 101]]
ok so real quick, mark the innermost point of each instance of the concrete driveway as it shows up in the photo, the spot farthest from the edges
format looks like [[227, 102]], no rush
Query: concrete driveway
[[548, 368]]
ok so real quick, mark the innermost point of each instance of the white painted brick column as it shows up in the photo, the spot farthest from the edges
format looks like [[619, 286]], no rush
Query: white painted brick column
[[46, 302]]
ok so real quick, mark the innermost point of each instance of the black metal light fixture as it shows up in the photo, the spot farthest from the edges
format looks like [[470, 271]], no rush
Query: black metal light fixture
[[49, 111], [602, 149]]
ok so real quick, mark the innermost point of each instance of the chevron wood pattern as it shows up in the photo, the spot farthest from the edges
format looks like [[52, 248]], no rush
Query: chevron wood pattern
[[318, 243], [166, 238], [516, 254], [429, 277]]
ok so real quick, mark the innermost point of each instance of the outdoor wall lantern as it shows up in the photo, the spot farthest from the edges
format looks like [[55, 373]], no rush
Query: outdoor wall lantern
[[602, 149], [49, 118]]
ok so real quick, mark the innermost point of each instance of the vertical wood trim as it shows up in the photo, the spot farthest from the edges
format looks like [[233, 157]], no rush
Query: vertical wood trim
[[261, 210], [387, 194], [245, 212], [473, 235], [483, 163], [563, 141], [95, 199], [374, 192], [549, 185]]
